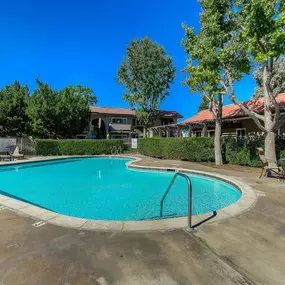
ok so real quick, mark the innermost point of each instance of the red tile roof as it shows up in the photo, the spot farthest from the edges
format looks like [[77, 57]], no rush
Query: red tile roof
[[233, 111], [130, 112]]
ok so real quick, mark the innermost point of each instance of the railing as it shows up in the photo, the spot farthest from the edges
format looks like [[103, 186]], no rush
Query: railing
[[189, 196], [116, 150]]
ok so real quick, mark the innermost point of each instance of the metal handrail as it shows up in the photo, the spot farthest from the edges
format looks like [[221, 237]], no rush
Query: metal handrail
[[189, 196], [116, 150]]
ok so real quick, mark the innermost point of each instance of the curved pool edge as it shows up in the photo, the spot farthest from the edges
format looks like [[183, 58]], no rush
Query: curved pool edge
[[246, 201]]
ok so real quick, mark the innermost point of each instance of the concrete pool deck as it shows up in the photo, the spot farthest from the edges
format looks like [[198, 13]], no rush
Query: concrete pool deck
[[246, 201], [245, 249]]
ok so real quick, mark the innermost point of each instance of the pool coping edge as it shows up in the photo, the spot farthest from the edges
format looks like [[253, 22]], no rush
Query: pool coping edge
[[245, 203]]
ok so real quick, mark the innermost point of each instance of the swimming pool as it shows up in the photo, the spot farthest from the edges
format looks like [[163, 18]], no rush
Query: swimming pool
[[104, 188]]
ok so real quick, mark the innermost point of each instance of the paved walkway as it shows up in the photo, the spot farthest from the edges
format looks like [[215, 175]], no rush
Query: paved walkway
[[248, 249]]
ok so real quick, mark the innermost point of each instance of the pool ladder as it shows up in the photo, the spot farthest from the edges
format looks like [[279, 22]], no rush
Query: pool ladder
[[116, 150], [189, 196]]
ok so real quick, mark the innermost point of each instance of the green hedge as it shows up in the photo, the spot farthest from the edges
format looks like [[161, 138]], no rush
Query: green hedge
[[78, 147], [191, 149], [283, 156], [241, 152]]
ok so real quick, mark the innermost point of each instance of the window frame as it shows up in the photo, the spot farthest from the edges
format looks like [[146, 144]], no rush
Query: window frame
[[119, 118], [240, 129]]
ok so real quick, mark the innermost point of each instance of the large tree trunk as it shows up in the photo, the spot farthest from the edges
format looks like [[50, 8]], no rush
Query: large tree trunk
[[217, 143], [270, 149], [144, 131], [270, 127], [217, 112]]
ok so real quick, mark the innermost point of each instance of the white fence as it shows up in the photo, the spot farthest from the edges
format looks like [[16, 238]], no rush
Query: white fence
[[25, 144]]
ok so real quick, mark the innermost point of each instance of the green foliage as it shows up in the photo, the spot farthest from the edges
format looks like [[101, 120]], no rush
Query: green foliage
[[59, 114], [216, 59], [241, 152], [13, 102], [216, 51], [191, 149], [262, 23], [277, 81], [78, 147], [204, 105], [147, 73], [283, 157], [73, 110]]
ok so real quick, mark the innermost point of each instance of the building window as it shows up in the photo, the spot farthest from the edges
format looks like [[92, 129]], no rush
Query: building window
[[198, 134], [119, 121], [119, 136], [241, 132]]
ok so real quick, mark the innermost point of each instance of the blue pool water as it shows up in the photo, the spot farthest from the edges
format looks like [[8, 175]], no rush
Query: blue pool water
[[104, 189]]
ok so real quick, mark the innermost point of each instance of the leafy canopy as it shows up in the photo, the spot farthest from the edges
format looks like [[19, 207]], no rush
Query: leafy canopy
[[13, 103], [147, 73], [215, 52], [216, 58], [262, 23], [63, 113]]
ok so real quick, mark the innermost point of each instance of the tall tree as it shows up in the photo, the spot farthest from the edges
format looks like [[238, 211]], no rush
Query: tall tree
[[63, 113], [73, 110], [42, 110], [261, 24], [147, 73], [241, 32], [214, 53], [277, 82], [13, 102], [205, 81]]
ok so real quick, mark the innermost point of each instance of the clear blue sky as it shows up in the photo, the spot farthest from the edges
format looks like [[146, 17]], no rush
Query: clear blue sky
[[65, 42]]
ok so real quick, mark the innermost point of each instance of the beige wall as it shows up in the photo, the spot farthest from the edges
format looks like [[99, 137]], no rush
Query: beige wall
[[159, 121], [107, 119]]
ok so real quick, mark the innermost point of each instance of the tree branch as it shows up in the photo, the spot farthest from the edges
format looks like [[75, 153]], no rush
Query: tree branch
[[261, 45], [214, 115], [256, 117]]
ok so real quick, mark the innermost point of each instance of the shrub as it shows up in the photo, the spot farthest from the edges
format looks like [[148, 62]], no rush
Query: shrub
[[241, 151], [198, 149], [78, 147], [282, 155], [191, 149]]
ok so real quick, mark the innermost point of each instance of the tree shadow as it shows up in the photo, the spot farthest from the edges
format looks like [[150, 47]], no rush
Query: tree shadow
[[205, 220]]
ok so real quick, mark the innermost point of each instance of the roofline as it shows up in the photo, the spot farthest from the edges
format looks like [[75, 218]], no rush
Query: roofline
[[241, 116], [132, 110], [204, 122]]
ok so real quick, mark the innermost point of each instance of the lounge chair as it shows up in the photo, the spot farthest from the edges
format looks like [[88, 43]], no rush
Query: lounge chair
[[267, 169], [15, 154], [5, 156]]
